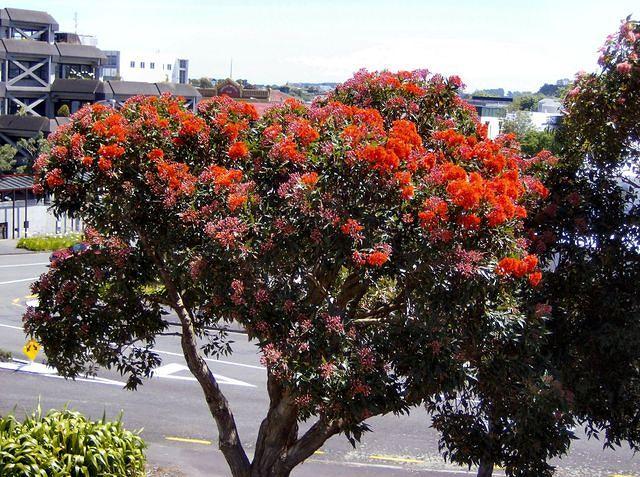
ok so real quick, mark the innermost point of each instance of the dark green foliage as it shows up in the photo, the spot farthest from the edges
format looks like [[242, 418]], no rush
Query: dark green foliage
[[590, 231]]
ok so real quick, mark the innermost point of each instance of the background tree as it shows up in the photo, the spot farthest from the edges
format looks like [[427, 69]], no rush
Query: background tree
[[526, 102], [519, 124], [372, 245], [63, 111], [534, 142], [495, 92], [32, 146], [7, 158], [590, 231], [205, 83]]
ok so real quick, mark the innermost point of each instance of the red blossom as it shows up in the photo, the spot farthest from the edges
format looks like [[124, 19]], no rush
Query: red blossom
[[238, 150], [377, 259]]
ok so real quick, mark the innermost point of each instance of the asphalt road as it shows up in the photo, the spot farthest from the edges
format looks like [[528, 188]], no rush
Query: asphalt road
[[181, 433]]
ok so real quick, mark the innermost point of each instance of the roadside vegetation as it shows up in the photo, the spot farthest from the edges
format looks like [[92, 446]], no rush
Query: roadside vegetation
[[44, 243], [65, 443], [5, 355]]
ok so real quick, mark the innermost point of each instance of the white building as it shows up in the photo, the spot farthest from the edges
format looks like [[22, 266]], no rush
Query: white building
[[149, 67], [549, 105]]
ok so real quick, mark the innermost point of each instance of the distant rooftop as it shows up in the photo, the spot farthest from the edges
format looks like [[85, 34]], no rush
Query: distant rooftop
[[27, 16], [503, 99]]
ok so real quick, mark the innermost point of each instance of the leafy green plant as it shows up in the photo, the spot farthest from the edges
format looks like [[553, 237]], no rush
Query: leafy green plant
[[65, 443], [5, 355], [41, 243]]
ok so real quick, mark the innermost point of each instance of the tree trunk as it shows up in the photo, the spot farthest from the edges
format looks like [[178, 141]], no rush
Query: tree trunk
[[278, 432], [485, 469], [228, 439]]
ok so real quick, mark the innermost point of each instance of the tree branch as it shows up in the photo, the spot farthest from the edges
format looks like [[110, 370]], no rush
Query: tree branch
[[311, 441]]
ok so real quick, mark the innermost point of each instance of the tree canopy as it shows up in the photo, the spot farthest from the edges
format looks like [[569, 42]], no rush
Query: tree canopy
[[383, 253]]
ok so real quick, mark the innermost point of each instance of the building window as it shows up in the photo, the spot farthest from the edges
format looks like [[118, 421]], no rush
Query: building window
[[152, 66], [183, 77], [183, 63], [132, 64], [71, 71], [169, 67], [142, 64]]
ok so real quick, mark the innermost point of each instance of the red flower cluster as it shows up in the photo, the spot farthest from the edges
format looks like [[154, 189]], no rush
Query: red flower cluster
[[378, 258], [238, 150], [352, 228], [519, 268], [435, 211], [304, 133], [309, 179], [54, 178], [113, 127], [176, 176], [287, 150]]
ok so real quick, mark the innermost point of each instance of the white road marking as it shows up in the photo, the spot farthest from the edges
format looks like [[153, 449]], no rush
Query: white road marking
[[12, 327], [168, 370], [25, 264], [18, 281], [242, 365], [20, 366]]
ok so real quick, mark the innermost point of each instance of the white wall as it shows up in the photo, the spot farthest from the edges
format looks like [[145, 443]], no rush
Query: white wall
[[41, 221], [542, 121], [494, 124], [163, 69]]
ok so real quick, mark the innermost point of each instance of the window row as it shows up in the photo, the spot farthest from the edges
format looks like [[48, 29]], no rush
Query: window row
[[152, 66]]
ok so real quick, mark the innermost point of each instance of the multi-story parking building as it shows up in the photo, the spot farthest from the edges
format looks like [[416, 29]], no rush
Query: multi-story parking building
[[45, 75], [42, 69]]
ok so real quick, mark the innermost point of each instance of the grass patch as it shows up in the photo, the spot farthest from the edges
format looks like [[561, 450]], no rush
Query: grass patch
[[5, 355], [48, 243]]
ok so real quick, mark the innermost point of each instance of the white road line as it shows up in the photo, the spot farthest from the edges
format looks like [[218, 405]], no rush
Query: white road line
[[24, 265], [20, 366], [168, 372], [12, 327], [18, 281], [170, 353]]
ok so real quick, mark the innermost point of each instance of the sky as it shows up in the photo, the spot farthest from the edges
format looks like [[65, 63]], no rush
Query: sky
[[515, 44]]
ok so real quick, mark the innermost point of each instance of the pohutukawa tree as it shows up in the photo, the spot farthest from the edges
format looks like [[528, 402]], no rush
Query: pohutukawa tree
[[590, 229], [372, 245]]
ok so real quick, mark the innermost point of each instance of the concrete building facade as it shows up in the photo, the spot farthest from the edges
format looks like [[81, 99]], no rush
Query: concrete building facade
[[42, 69], [147, 67]]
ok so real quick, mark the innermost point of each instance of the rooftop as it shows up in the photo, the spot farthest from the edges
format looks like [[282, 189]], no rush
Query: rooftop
[[15, 182], [19, 15]]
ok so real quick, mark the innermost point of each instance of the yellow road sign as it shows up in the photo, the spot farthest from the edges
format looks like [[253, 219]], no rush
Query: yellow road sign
[[31, 349]]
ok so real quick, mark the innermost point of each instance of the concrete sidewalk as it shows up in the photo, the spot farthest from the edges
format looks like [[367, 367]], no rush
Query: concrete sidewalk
[[8, 247]]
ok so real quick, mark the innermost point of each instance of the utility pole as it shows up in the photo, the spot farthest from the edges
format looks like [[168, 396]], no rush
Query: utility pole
[[75, 21], [231, 69]]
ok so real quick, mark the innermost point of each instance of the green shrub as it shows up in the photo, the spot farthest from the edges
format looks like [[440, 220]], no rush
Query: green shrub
[[66, 444], [42, 243], [5, 355]]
